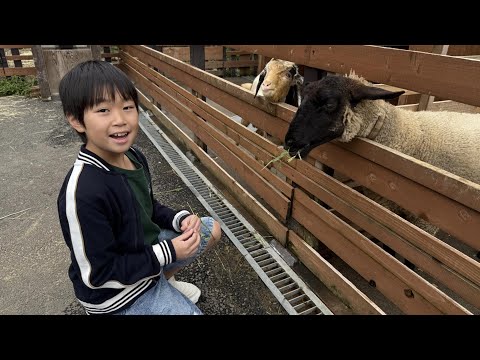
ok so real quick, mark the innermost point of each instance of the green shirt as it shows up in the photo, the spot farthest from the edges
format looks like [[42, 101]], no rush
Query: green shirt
[[137, 180]]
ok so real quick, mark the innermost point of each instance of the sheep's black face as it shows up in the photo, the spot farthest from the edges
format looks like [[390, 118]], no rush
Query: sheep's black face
[[318, 119]]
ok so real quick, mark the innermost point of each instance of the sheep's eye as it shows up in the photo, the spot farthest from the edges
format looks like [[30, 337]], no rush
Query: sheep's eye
[[330, 105], [289, 75]]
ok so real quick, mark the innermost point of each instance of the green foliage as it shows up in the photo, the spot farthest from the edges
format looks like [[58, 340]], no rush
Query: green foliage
[[17, 85]]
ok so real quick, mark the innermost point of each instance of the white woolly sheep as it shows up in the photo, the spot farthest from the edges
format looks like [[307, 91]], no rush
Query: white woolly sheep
[[345, 107], [279, 81]]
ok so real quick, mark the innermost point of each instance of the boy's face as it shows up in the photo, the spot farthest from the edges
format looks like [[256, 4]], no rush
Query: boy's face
[[111, 127]]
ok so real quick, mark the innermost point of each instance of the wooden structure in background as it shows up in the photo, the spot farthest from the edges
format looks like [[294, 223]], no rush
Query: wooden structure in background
[[218, 59], [13, 63], [46, 63]]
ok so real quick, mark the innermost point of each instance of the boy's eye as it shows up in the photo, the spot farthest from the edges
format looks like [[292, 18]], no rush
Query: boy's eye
[[102, 110]]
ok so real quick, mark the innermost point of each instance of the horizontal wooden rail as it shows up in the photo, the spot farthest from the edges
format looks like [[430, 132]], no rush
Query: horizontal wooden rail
[[445, 105], [19, 57], [206, 133], [15, 46], [237, 99], [439, 210], [267, 219], [452, 186], [409, 291], [444, 76], [451, 267], [256, 144], [19, 71], [332, 278]]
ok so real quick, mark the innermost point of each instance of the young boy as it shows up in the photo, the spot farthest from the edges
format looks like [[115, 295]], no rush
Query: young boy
[[124, 244]]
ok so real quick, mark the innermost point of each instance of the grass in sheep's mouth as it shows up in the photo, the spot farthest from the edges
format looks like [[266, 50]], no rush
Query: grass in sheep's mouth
[[283, 154]]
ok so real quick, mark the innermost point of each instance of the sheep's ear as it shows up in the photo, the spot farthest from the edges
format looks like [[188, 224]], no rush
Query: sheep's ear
[[363, 92], [297, 78], [260, 81]]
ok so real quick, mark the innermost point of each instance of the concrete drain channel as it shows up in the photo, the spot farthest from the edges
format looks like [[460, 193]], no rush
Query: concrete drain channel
[[292, 293]]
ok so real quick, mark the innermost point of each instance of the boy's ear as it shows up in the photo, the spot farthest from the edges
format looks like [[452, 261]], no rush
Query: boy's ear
[[75, 124]]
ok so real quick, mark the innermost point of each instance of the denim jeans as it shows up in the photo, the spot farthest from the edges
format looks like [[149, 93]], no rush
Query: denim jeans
[[163, 298]]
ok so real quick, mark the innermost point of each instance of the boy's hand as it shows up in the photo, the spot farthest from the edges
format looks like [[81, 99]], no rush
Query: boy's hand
[[190, 222], [186, 244]]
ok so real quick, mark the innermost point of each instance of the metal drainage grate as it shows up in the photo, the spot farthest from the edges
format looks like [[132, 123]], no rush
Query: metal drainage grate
[[292, 293]]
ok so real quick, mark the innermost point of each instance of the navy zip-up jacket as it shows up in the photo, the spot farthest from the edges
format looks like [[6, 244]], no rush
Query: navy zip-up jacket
[[99, 216]]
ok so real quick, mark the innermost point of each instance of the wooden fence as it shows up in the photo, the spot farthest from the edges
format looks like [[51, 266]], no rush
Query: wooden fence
[[219, 60], [19, 60], [16, 60], [296, 195]]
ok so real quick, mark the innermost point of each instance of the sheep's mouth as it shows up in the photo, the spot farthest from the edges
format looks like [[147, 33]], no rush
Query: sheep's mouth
[[304, 150], [299, 152], [268, 92]]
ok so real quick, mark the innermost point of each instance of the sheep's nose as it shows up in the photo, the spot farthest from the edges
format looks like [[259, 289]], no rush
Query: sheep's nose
[[266, 84]]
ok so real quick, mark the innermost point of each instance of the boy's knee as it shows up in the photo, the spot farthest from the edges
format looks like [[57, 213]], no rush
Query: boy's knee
[[216, 232]]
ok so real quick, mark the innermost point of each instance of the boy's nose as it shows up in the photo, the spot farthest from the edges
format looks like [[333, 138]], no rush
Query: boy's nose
[[119, 119]]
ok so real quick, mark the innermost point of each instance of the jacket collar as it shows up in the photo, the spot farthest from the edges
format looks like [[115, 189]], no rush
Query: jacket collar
[[88, 157]]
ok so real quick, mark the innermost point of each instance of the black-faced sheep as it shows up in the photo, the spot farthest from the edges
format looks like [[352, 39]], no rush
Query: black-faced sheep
[[344, 107], [279, 81]]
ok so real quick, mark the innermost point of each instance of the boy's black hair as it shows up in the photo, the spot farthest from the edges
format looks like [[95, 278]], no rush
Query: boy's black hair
[[88, 83]]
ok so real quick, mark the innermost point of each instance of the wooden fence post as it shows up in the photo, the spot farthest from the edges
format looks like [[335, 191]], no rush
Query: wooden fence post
[[425, 99], [17, 63], [197, 59], [262, 61], [158, 48], [224, 52], [41, 72], [96, 52], [3, 61], [107, 50]]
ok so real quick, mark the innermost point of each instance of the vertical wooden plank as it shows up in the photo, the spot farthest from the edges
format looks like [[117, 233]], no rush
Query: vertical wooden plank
[[96, 52], [158, 48], [17, 63], [425, 99], [261, 63], [311, 74], [106, 49], [197, 59], [3, 61], [224, 70], [197, 56], [41, 72], [243, 70]]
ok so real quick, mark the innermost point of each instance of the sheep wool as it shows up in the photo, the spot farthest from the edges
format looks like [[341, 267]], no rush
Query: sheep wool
[[448, 140]]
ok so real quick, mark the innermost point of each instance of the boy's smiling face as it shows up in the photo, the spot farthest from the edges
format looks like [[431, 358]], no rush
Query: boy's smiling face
[[111, 127]]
